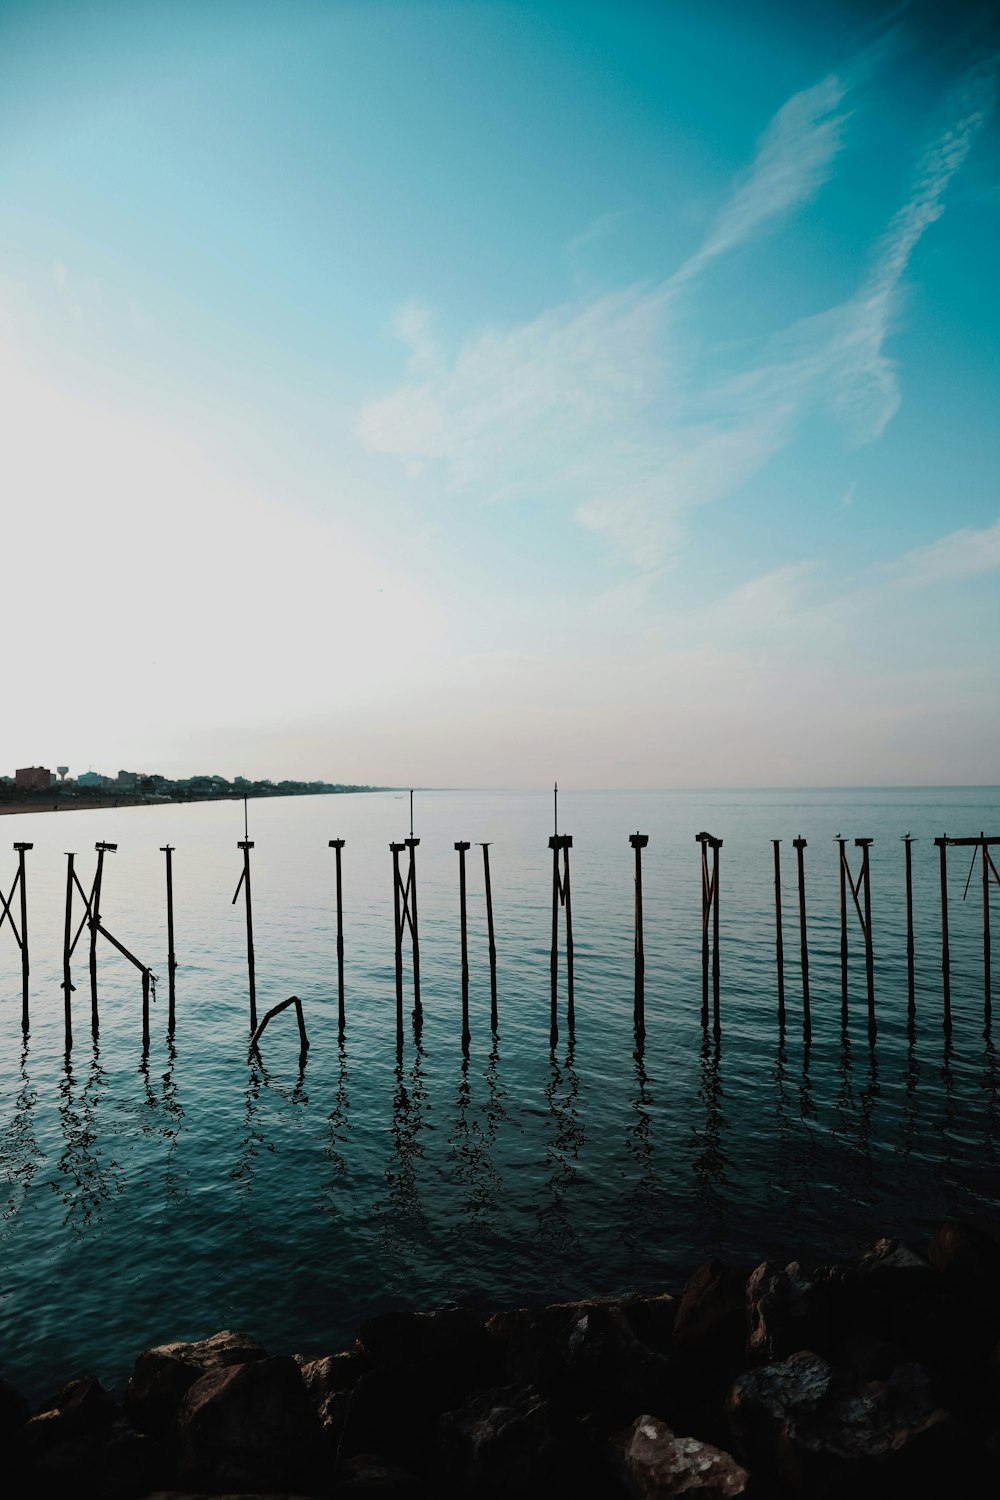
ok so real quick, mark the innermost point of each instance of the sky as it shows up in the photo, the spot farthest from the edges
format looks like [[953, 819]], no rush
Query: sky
[[482, 394]]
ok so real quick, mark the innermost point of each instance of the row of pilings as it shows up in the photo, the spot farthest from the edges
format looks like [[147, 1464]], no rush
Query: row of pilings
[[83, 912]]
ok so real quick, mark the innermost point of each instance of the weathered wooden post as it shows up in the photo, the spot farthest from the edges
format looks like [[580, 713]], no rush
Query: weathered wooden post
[[842, 862], [987, 866], [411, 888], [397, 891], [95, 917], [244, 884], [942, 845], [24, 932], [337, 845], [799, 845], [779, 944], [710, 910], [490, 936], [68, 952], [639, 841], [462, 849], [910, 984], [865, 878], [168, 850]]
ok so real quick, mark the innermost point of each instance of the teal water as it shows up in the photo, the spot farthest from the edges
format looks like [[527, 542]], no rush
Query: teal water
[[166, 1196]]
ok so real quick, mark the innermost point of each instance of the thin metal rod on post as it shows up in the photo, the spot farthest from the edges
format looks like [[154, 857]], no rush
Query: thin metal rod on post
[[942, 844], [779, 944], [25, 969], [168, 850], [639, 841], [910, 985], [244, 882], [490, 937], [462, 848], [799, 845], [337, 845]]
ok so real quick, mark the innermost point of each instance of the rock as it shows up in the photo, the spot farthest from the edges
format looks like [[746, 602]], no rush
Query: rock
[[819, 1433], [969, 1261], [654, 1462], [651, 1317], [786, 1309], [14, 1412], [109, 1459], [392, 1415], [368, 1475], [532, 1343], [161, 1376], [83, 1405], [514, 1441], [248, 1426], [331, 1374], [447, 1349]]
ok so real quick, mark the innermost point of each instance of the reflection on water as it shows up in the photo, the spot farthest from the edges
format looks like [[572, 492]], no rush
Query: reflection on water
[[89, 1176], [565, 1140], [20, 1153], [710, 1158], [401, 1213]]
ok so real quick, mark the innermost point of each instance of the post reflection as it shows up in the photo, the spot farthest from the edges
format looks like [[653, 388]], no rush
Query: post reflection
[[471, 1154], [644, 1200], [404, 1222], [562, 1151], [710, 1159], [20, 1153], [90, 1178]]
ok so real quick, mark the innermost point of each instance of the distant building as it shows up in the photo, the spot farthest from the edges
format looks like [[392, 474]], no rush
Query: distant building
[[33, 776], [90, 778]]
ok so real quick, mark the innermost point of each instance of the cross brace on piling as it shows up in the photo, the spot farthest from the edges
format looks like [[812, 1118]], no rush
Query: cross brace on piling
[[561, 844], [20, 934]]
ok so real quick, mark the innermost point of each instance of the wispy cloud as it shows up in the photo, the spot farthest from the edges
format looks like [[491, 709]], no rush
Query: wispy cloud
[[961, 554]]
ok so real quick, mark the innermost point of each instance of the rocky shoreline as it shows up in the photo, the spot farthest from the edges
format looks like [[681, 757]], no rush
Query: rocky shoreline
[[875, 1377]]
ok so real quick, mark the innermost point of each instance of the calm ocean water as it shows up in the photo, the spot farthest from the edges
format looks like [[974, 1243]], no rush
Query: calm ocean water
[[158, 1198]]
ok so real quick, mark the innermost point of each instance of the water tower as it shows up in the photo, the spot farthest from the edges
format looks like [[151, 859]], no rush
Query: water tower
[[62, 772]]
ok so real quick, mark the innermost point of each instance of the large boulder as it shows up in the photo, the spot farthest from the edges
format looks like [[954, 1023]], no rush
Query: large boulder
[[249, 1426], [446, 1350], [161, 1377], [512, 1440], [821, 1434], [654, 1462], [969, 1261], [787, 1308]]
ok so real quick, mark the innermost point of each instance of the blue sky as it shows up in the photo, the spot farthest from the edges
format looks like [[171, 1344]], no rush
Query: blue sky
[[473, 394]]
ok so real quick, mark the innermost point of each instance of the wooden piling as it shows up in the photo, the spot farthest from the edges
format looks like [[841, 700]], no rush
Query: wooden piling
[[25, 967], [411, 890], [337, 845], [799, 845], [145, 1010], [95, 917], [779, 940], [910, 982], [490, 937], [168, 850], [842, 862], [942, 845], [244, 882], [987, 996], [561, 844], [710, 912], [397, 891], [639, 841], [462, 849], [865, 877], [67, 953]]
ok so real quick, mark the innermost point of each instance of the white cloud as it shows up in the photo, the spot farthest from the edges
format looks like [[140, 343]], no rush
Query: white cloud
[[961, 554]]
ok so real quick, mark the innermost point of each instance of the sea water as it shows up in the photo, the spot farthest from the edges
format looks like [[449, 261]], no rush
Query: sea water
[[156, 1196]]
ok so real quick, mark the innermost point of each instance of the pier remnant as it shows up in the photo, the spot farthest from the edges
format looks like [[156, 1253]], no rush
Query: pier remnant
[[20, 934], [491, 938], [911, 1004], [942, 848], [168, 850], [983, 844], [710, 914], [860, 886], [95, 918], [800, 845], [337, 845], [462, 849], [244, 884], [276, 1011], [639, 841], [779, 945]]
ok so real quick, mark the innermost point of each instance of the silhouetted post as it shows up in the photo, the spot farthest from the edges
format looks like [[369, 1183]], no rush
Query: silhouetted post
[[397, 891], [799, 845], [411, 891], [987, 996], [490, 936], [463, 916], [145, 1010], [779, 941], [910, 986], [244, 883], [865, 878], [68, 951], [841, 843], [168, 850], [95, 917], [942, 844], [639, 841], [709, 910], [24, 932], [337, 845], [561, 844]]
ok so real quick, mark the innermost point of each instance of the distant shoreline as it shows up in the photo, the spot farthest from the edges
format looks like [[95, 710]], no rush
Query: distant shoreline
[[81, 804]]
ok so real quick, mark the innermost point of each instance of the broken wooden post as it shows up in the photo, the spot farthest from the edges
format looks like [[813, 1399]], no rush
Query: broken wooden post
[[244, 883], [148, 977], [95, 917], [709, 910], [275, 1011], [910, 983], [983, 844], [799, 845], [942, 845], [639, 841], [779, 945], [397, 893], [490, 937], [337, 845], [462, 849], [168, 850]]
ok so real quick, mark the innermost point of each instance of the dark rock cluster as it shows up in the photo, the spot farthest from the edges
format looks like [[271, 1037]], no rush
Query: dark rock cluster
[[875, 1378]]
